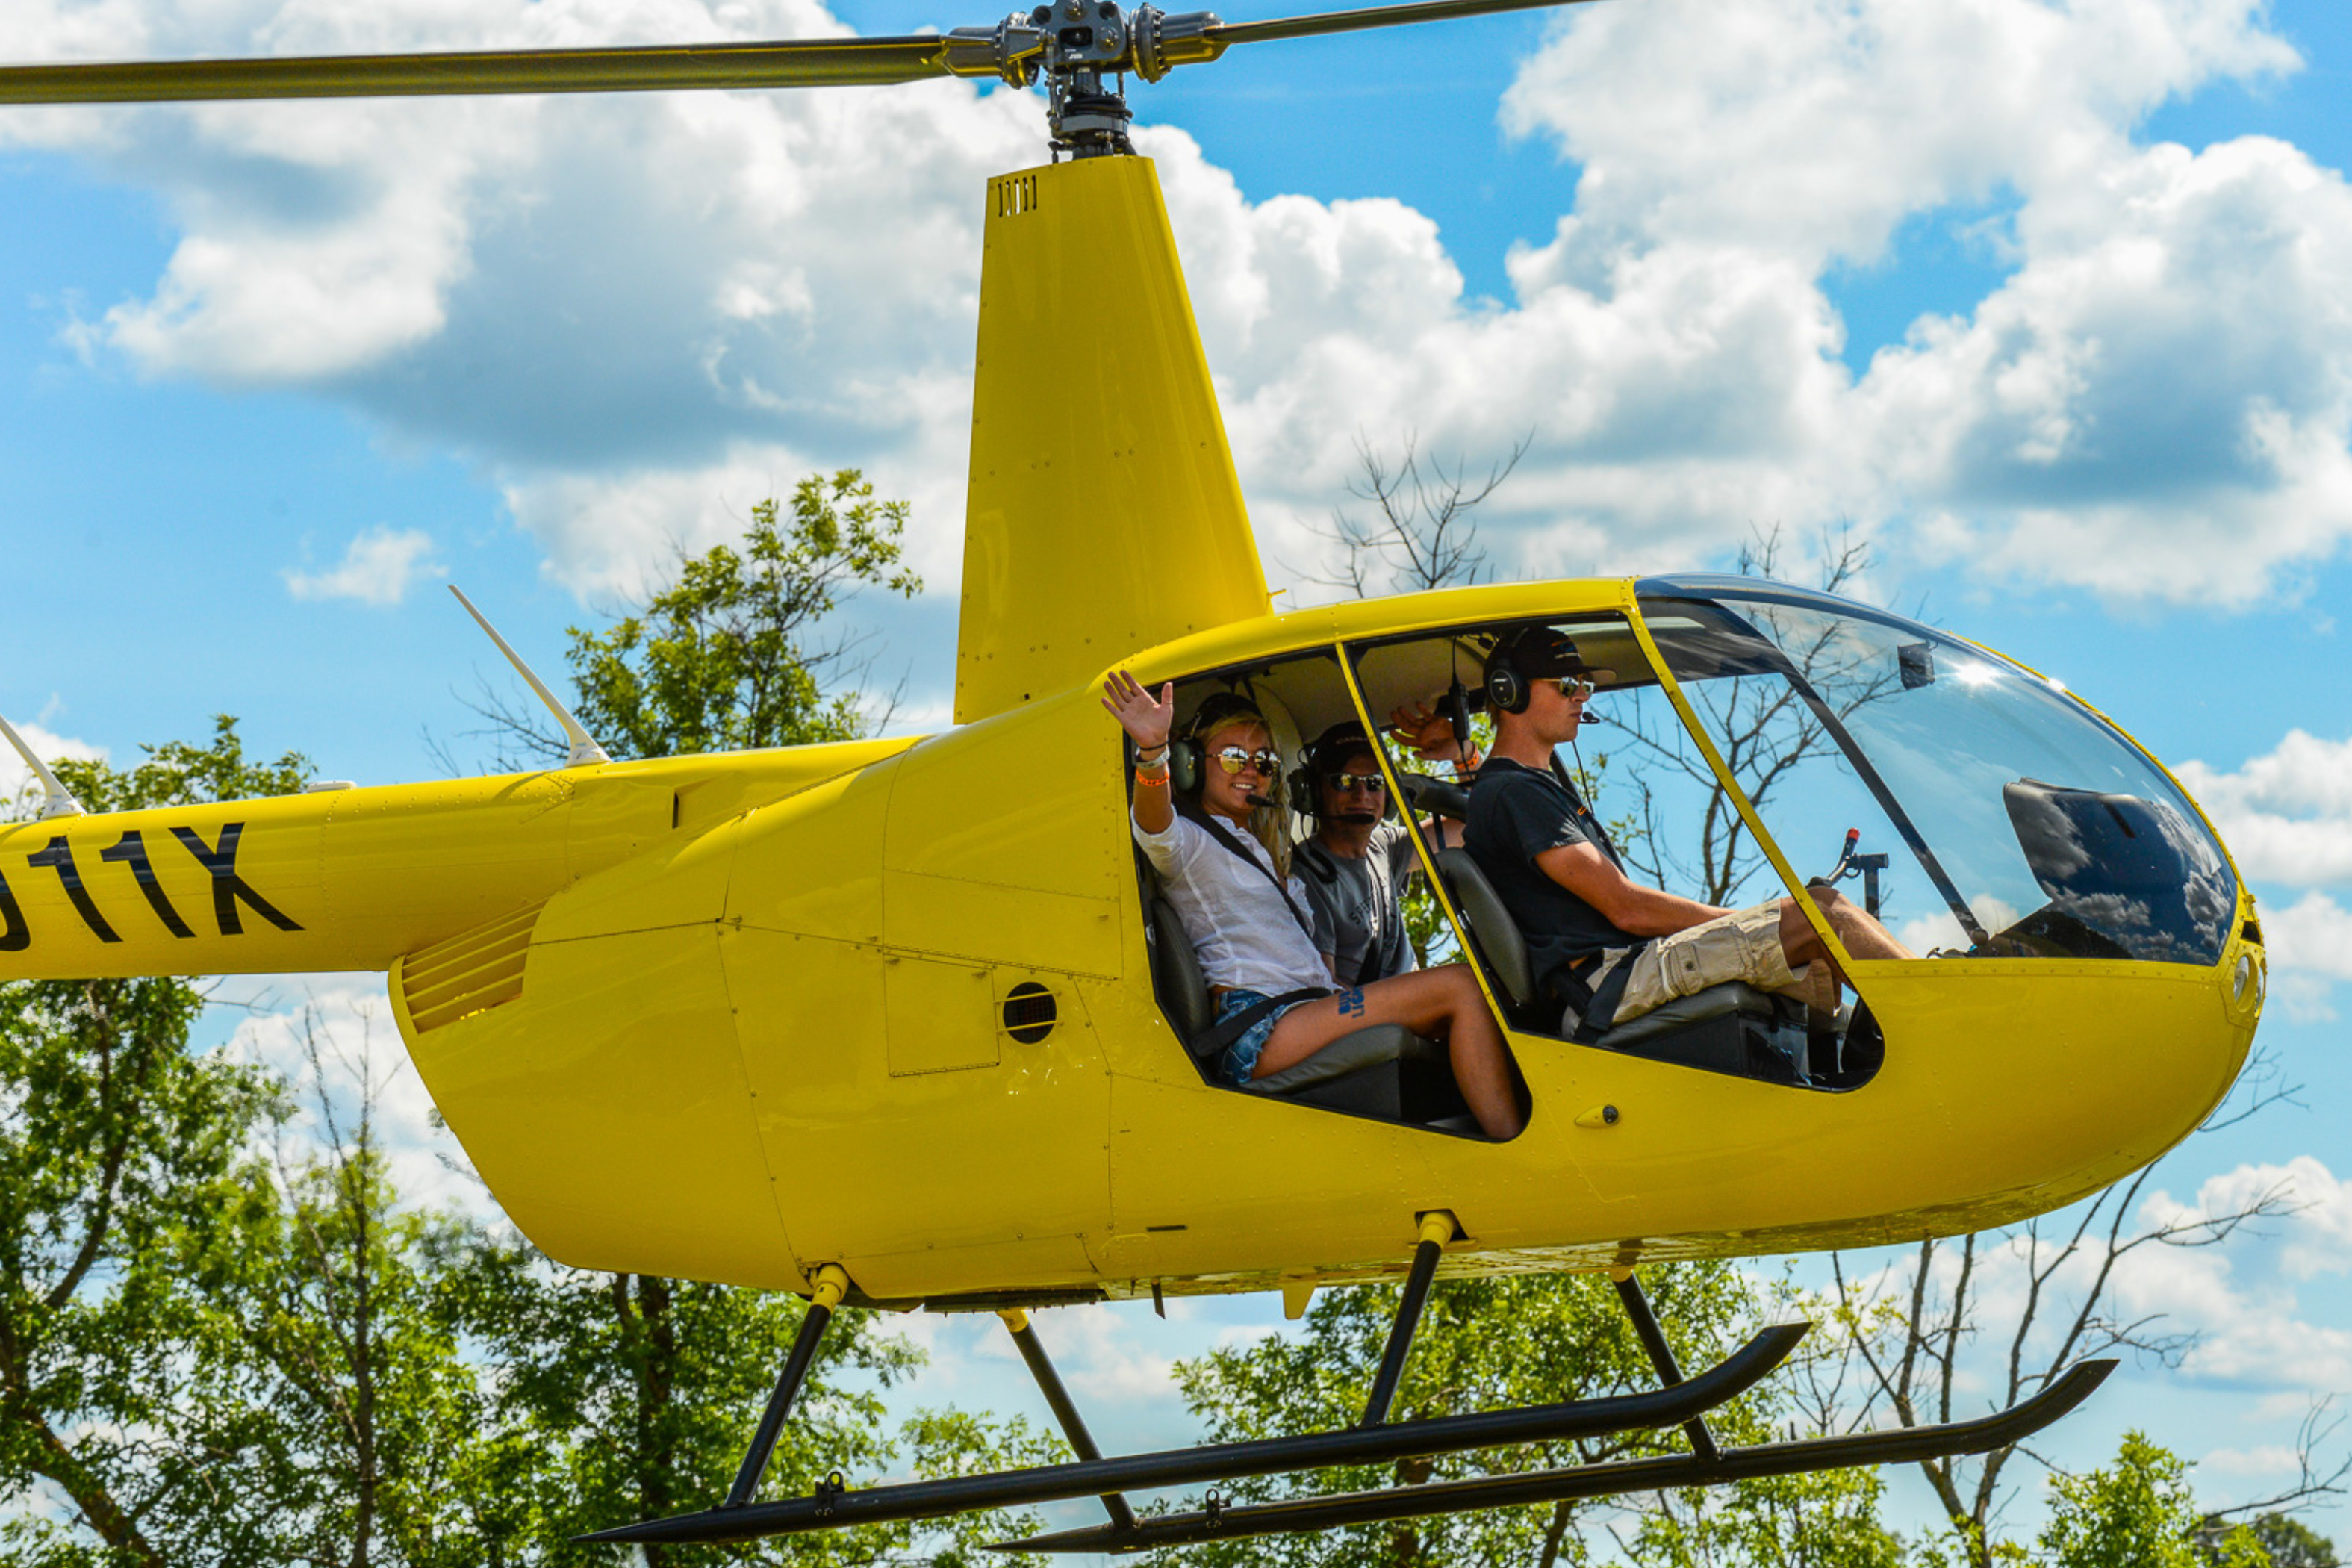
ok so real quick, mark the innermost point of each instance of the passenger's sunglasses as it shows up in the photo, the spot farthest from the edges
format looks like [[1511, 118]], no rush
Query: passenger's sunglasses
[[1370, 784], [1233, 759]]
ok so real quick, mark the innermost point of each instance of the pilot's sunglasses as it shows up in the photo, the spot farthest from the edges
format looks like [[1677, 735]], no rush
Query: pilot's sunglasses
[[1233, 759], [1570, 686], [1372, 784]]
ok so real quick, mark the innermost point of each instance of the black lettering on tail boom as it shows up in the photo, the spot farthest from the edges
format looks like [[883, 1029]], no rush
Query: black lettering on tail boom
[[15, 936], [133, 849], [228, 888], [58, 856]]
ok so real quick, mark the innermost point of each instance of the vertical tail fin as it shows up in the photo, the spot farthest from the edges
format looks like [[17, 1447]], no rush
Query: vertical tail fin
[[1103, 512]]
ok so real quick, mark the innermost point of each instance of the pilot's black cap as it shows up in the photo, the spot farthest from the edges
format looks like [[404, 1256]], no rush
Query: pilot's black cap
[[1540, 652]]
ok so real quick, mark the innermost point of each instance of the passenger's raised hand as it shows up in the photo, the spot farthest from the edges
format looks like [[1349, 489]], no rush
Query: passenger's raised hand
[[1145, 718], [1429, 732]]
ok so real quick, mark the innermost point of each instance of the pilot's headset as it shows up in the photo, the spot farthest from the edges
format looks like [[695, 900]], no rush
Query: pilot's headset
[[1331, 748], [1520, 657], [1216, 711]]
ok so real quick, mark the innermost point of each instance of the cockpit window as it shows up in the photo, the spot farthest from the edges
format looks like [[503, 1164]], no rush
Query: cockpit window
[[2017, 822]]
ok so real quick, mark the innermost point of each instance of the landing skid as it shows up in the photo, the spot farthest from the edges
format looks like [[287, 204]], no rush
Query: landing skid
[[1681, 1402], [1902, 1445]]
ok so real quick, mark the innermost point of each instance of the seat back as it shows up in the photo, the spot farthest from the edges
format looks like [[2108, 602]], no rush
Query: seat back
[[1493, 932], [1176, 974]]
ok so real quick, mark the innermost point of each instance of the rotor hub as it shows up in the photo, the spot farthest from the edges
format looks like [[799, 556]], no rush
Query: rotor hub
[[1084, 49]]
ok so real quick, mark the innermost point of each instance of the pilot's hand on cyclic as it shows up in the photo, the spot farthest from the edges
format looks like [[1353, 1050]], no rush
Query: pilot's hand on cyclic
[[1145, 718]]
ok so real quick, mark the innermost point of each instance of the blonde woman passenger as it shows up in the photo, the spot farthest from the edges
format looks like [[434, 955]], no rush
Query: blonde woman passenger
[[1222, 854]]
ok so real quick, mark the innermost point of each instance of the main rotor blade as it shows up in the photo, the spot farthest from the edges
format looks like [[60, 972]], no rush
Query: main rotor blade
[[1371, 16], [816, 62]]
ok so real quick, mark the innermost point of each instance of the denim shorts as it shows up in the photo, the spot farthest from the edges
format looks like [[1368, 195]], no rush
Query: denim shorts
[[1238, 1060]]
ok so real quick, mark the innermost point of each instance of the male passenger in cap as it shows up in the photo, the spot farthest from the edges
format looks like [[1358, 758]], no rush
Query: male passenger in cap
[[1556, 871], [1362, 858]]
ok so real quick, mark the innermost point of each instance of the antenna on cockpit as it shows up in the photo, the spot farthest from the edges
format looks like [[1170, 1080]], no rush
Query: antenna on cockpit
[[585, 751], [57, 800]]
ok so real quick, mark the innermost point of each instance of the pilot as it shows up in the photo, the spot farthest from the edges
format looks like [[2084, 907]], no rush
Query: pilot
[[1222, 860], [1599, 941], [1360, 859]]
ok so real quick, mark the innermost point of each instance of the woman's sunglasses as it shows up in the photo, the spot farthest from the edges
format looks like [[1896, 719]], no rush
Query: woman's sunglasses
[[1233, 759]]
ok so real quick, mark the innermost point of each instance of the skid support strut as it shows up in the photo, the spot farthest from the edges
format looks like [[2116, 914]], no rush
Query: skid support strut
[[832, 1285], [1661, 1355], [1436, 1230], [1073, 1426]]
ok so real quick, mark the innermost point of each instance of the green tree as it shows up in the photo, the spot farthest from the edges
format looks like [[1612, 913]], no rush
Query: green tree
[[1825, 1520], [641, 1393], [2137, 1513], [2286, 1542], [122, 1152], [723, 659], [365, 1426]]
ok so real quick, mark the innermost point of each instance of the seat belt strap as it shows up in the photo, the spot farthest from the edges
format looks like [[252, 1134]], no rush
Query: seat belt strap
[[1596, 1006], [1216, 830], [1213, 1041]]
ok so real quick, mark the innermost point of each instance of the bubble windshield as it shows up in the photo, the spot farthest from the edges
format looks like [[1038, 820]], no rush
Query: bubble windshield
[[2015, 823]]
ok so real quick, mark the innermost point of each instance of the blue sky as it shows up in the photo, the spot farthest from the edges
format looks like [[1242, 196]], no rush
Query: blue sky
[[2046, 300]]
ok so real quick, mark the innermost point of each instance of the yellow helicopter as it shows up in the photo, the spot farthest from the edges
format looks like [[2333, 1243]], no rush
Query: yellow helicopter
[[854, 1021]]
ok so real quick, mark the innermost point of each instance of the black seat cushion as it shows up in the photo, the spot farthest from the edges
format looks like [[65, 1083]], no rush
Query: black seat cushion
[[1385, 1071], [1425, 792], [1731, 997], [1351, 1053], [1728, 1028]]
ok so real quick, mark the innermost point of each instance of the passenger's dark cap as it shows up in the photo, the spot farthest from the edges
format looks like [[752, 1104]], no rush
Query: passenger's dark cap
[[1337, 744]]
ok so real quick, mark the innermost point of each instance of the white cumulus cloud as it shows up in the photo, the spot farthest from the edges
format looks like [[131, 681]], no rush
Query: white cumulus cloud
[[377, 568], [2241, 1301], [2287, 814], [637, 313]]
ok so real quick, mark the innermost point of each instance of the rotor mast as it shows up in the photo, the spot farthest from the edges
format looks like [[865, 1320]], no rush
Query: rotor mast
[[1084, 49]]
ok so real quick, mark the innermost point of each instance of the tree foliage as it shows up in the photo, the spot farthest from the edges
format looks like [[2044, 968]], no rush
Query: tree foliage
[[2137, 1513], [722, 659], [124, 1160]]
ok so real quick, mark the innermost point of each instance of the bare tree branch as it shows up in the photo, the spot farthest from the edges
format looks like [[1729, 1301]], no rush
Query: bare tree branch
[[1423, 534]]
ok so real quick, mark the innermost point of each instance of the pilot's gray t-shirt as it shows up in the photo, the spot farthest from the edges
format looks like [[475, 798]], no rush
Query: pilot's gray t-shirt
[[1360, 900]]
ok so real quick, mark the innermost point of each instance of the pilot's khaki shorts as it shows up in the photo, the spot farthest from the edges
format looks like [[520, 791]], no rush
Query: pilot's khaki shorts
[[1742, 945]]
